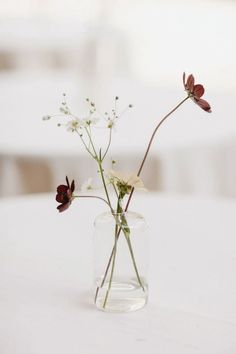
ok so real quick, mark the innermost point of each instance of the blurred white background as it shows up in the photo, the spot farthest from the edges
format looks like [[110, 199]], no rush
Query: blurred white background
[[137, 50]]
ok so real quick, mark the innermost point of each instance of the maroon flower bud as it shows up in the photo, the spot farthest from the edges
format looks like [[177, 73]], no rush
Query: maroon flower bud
[[65, 195], [195, 92]]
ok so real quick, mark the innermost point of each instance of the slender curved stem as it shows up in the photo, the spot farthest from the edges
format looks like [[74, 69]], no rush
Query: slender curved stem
[[95, 156], [138, 174], [150, 143], [112, 269], [86, 147], [100, 167], [108, 146], [96, 197], [114, 256], [105, 275], [91, 142], [126, 231], [134, 262], [104, 182], [90, 132]]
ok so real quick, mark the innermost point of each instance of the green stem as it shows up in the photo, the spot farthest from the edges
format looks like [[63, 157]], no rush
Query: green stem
[[108, 146], [115, 190], [104, 182], [91, 142], [114, 254], [85, 145], [112, 268], [139, 172], [106, 271], [95, 156], [96, 197], [100, 167], [134, 262], [126, 231]]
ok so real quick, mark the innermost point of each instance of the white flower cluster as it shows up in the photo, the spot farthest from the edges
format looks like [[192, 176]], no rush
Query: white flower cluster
[[75, 124]]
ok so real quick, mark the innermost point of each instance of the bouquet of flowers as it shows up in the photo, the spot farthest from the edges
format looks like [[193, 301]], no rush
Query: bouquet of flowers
[[121, 184]]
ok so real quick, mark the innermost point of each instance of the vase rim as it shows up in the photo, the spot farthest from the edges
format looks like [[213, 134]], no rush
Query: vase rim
[[128, 212], [107, 216]]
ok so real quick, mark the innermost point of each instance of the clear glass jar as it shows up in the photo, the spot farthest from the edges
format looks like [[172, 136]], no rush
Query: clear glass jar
[[120, 262]]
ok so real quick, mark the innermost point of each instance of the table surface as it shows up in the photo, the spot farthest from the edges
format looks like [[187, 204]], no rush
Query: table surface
[[46, 269]]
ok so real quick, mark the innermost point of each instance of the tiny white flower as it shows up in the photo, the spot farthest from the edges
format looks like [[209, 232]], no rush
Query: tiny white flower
[[73, 125], [111, 123], [87, 185], [89, 121]]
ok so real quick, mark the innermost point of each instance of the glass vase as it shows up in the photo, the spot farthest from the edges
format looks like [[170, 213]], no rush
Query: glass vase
[[120, 262]]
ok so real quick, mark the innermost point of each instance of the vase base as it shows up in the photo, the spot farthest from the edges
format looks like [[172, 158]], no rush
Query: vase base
[[122, 297]]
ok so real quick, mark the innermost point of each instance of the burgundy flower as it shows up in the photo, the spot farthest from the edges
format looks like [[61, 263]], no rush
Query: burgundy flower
[[196, 92], [65, 195]]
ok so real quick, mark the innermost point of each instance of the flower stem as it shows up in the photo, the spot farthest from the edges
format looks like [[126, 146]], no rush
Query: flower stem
[[126, 231], [150, 143], [104, 182], [91, 142], [106, 271], [108, 145], [112, 268], [96, 197], [134, 262], [86, 147], [113, 253], [123, 225], [99, 161], [132, 191]]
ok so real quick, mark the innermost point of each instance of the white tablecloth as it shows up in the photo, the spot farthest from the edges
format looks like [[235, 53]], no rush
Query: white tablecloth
[[46, 268]]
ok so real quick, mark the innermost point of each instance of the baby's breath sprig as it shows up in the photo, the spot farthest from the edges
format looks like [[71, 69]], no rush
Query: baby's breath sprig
[[64, 106]]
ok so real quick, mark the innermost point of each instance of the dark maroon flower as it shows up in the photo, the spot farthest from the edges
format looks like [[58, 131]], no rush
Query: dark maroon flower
[[196, 92], [65, 195]]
